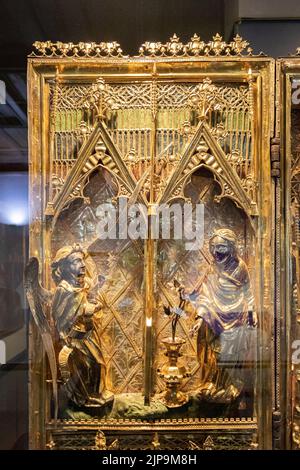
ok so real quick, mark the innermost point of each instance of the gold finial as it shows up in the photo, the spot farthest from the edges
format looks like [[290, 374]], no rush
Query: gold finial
[[82, 49], [195, 47], [100, 98], [205, 98]]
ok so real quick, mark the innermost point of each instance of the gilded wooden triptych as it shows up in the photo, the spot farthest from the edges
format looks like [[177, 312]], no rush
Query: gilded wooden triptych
[[164, 275]]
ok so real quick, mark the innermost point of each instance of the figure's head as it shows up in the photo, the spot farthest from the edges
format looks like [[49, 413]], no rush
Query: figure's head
[[222, 245], [69, 264]]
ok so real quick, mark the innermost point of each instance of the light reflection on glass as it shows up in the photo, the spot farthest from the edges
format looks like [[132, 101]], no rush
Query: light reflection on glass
[[14, 198]]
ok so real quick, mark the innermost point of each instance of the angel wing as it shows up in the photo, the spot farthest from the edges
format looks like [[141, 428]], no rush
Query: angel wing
[[37, 298]]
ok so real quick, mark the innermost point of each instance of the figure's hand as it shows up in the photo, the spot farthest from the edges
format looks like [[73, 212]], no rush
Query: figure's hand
[[252, 318], [91, 308], [193, 331], [97, 307], [68, 341]]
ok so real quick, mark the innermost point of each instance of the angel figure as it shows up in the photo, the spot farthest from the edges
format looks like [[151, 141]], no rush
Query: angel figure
[[80, 359]]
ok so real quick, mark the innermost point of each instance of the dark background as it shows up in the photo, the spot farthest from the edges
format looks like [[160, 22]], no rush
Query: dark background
[[271, 26]]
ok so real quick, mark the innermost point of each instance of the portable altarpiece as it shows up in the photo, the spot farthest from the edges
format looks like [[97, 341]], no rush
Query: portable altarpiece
[[155, 342]]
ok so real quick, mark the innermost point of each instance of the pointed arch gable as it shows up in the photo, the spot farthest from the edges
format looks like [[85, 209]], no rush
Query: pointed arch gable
[[219, 165], [100, 132]]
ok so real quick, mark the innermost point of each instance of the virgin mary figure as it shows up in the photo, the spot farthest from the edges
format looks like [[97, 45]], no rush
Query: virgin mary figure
[[224, 320]]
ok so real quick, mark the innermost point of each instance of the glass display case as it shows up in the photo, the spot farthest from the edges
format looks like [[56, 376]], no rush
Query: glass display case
[[155, 244], [288, 277]]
